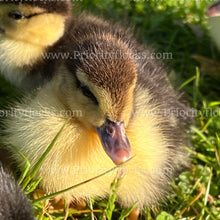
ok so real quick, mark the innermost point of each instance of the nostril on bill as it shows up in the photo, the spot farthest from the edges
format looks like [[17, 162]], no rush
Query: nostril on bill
[[111, 131]]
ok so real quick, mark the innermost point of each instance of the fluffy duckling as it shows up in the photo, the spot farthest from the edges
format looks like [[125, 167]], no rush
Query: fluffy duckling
[[29, 29], [214, 21], [13, 203], [119, 103]]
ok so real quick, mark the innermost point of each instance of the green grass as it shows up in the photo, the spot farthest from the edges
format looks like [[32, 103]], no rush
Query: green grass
[[179, 27]]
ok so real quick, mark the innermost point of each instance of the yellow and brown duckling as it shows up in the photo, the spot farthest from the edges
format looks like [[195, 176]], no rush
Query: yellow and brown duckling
[[119, 105], [214, 21], [28, 29]]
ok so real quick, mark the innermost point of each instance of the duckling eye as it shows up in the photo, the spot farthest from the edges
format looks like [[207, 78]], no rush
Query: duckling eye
[[16, 15], [86, 92]]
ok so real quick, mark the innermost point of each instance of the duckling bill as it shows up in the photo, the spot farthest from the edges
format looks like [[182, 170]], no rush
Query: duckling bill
[[114, 141], [29, 29], [126, 108]]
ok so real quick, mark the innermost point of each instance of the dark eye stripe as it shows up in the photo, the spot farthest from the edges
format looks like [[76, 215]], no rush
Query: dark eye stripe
[[32, 15], [86, 91], [17, 15]]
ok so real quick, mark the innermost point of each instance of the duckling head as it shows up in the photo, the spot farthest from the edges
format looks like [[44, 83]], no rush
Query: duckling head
[[101, 84], [39, 23]]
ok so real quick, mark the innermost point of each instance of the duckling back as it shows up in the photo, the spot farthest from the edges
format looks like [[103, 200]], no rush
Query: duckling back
[[13, 203]]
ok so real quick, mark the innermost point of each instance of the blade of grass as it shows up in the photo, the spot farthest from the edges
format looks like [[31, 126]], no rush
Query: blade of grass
[[32, 186], [211, 104], [206, 196], [91, 208], [38, 164], [207, 210], [85, 211], [218, 149], [202, 136], [206, 125], [125, 213], [110, 206], [147, 213], [79, 184], [196, 88], [187, 82], [207, 217], [25, 169], [204, 158]]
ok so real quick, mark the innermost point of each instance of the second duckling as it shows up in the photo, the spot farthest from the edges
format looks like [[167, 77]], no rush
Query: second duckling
[[28, 29]]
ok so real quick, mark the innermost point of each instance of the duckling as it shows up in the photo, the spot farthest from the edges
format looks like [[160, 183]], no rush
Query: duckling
[[120, 104], [13, 203], [28, 29], [214, 22]]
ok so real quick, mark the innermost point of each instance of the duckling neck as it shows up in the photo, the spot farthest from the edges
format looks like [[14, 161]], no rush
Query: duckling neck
[[17, 59]]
